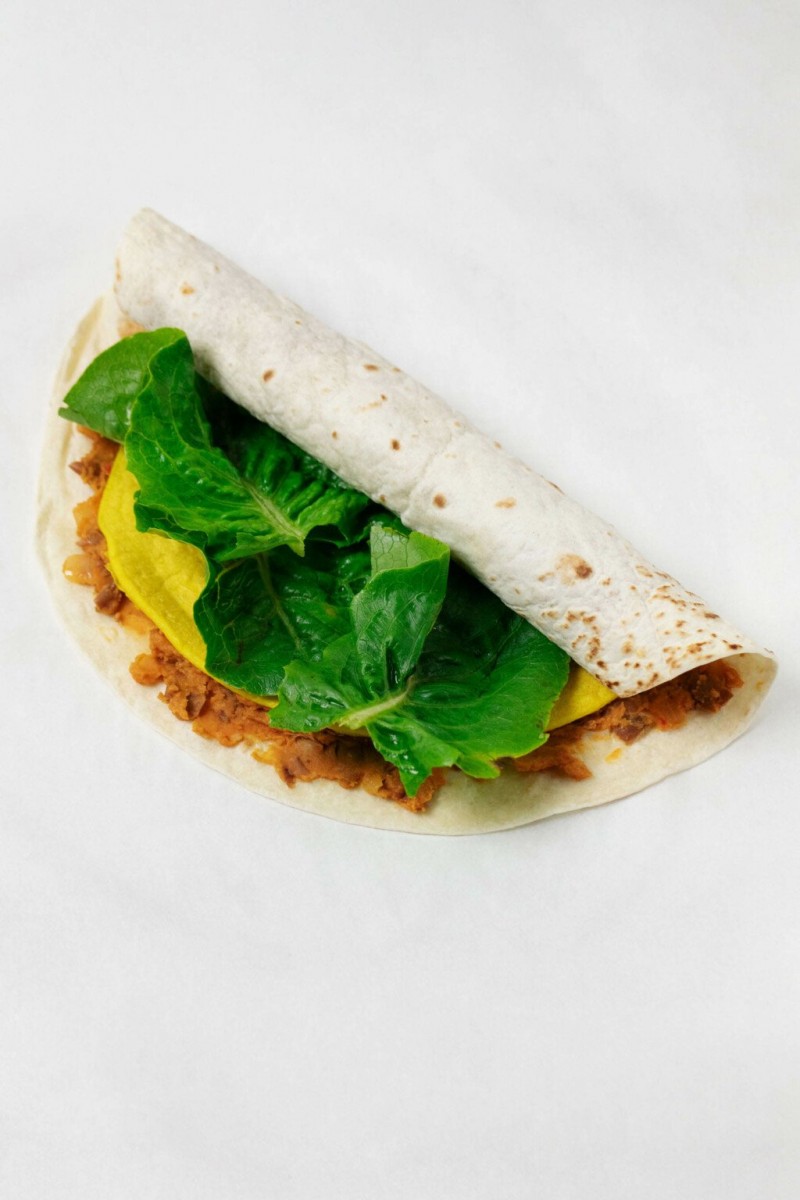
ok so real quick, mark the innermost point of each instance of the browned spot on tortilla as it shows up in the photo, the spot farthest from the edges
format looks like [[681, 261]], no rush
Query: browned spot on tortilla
[[555, 485], [518, 591], [572, 567], [371, 367], [734, 645], [297, 321], [267, 375], [509, 502], [605, 582], [126, 327], [601, 666], [439, 500], [549, 614], [334, 433], [187, 289], [711, 616], [695, 647], [594, 648], [547, 575], [497, 446], [645, 571], [395, 444], [680, 624], [627, 646], [117, 271], [396, 370], [382, 499], [614, 755], [383, 395]]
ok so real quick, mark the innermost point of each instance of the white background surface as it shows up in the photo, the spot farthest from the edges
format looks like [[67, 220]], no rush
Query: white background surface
[[580, 223]]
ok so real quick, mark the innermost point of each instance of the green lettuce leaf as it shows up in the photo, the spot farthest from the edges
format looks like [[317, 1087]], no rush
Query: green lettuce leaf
[[190, 488], [260, 613], [436, 679], [103, 397]]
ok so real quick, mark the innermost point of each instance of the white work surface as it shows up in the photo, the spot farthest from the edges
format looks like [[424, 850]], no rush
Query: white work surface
[[580, 223]]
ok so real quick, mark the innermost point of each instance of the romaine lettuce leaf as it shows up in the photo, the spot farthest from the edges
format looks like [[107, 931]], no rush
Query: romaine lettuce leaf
[[103, 396], [260, 613], [229, 510], [436, 678]]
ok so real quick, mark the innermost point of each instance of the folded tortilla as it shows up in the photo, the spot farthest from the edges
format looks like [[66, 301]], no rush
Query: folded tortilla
[[557, 565]]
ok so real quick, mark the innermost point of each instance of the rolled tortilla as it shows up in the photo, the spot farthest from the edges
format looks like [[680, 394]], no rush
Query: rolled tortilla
[[550, 560]]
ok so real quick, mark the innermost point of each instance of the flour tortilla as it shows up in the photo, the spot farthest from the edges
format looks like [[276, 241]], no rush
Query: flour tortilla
[[559, 566]]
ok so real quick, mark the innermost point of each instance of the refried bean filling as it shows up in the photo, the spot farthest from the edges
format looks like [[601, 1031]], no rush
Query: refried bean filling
[[220, 714]]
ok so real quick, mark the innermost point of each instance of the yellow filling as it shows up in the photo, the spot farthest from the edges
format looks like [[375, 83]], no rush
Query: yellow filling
[[582, 695], [164, 578]]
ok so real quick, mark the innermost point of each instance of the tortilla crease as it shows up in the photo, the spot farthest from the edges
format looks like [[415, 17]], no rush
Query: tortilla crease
[[464, 805]]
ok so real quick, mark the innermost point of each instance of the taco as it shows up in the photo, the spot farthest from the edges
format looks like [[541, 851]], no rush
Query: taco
[[348, 598]]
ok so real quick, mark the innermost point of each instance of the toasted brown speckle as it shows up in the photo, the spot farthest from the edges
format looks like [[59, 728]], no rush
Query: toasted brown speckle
[[187, 289], [711, 616], [509, 502], [395, 444], [268, 375], [334, 433], [572, 567], [371, 367], [439, 500]]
